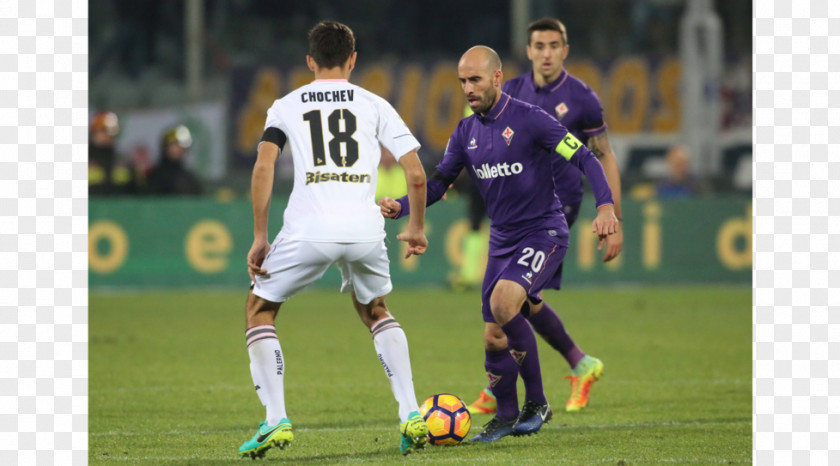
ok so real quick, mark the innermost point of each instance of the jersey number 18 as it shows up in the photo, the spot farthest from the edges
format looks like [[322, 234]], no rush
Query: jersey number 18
[[351, 147]]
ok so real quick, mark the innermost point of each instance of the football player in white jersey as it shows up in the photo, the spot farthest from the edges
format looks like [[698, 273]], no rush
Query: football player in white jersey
[[332, 130]]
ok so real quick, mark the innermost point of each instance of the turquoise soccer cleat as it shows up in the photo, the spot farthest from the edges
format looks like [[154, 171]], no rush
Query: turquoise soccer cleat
[[413, 433], [266, 437]]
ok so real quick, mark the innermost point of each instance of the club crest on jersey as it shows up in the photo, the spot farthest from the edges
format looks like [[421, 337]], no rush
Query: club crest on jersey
[[508, 135], [494, 379], [561, 110], [472, 145], [518, 356]]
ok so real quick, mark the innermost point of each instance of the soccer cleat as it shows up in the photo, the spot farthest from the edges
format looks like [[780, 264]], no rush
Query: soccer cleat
[[266, 437], [582, 383], [531, 418], [413, 433], [494, 430], [485, 404]]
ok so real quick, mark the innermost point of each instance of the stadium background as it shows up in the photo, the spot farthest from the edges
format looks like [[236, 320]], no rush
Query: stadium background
[[216, 66], [166, 278], [793, 331]]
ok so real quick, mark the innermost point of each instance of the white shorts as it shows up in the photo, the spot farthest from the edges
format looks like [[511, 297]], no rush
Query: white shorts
[[294, 265]]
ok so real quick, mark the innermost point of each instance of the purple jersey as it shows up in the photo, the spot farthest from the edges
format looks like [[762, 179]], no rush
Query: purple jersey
[[508, 155], [577, 107]]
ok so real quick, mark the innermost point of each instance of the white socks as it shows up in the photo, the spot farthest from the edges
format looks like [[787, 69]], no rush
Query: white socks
[[392, 348], [267, 370], [268, 366]]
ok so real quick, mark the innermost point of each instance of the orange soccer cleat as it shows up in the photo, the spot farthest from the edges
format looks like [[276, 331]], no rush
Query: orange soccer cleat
[[485, 404], [582, 383]]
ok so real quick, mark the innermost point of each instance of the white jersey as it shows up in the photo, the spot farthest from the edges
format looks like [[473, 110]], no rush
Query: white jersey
[[333, 130]]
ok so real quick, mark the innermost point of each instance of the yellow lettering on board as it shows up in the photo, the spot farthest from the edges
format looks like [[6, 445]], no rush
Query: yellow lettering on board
[[114, 235]]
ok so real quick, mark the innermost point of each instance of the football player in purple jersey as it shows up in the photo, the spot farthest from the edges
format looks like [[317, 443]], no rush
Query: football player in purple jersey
[[507, 147], [549, 86]]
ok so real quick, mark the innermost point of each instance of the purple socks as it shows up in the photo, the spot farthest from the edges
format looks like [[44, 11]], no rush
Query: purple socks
[[548, 324], [523, 347], [502, 371]]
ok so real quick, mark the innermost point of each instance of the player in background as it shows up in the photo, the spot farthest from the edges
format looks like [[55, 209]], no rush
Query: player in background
[[332, 130], [550, 87], [507, 147]]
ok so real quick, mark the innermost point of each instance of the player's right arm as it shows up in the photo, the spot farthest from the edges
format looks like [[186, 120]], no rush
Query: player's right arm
[[599, 144], [262, 181]]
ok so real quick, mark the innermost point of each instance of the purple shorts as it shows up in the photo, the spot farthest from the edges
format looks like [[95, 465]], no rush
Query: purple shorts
[[533, 264], [571, 211]]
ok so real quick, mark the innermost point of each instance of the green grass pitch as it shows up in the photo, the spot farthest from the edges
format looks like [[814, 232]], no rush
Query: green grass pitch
[[170, 384]]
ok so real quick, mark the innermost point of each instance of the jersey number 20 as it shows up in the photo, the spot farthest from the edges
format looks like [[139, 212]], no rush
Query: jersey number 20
[[351, 147], [531, 259]]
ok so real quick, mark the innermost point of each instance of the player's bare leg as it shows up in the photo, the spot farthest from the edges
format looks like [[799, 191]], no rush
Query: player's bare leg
[[267, 371], [391, 346]]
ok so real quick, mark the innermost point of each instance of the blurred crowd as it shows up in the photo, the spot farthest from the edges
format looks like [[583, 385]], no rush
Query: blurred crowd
[[138, 48], [112, 174]]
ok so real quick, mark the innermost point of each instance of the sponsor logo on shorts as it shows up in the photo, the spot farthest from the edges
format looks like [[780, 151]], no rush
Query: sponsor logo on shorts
[[324, 177], [528, 277]]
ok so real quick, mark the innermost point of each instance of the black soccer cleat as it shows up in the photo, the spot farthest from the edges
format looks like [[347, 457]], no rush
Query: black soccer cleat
[[531, 418], [494, 430]]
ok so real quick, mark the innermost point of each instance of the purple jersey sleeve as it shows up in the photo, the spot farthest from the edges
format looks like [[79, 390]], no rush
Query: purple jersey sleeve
[[592, 117], [553, 136], [445, 173]]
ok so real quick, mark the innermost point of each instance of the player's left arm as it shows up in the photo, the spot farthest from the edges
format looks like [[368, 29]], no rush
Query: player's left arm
[[547, 132], [571, 149], [599, 144], [445, 173]]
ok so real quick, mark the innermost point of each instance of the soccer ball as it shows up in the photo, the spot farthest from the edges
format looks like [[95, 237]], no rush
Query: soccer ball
[[447, 418]]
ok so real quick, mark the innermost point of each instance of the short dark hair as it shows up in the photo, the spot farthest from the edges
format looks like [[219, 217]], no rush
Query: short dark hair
[[548, 24], [331, 44]]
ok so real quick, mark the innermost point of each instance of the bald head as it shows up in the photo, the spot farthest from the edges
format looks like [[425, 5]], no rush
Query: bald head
[[480, 73], [678, 159], [483, 57]]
